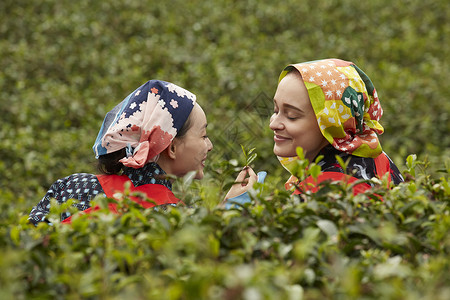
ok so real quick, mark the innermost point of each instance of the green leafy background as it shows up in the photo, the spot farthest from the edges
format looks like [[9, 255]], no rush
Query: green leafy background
[[64, 64]]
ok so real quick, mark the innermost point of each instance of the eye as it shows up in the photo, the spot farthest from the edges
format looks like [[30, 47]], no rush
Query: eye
[[275, 108]]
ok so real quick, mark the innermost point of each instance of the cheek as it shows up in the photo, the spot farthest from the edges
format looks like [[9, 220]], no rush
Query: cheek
[[200, 148], [303, 133], [296, 130]]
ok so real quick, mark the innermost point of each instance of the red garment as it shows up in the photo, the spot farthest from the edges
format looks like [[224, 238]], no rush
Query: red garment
[[112, 184], [311, 184]]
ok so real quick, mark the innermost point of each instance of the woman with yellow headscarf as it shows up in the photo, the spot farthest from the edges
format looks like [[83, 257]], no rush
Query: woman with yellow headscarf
[[329, 108]]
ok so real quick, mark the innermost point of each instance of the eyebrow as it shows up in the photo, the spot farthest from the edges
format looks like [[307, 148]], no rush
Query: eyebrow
[[289, 106]]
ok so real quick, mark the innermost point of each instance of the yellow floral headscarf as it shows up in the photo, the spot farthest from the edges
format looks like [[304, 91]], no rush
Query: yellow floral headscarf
[[345, 103]]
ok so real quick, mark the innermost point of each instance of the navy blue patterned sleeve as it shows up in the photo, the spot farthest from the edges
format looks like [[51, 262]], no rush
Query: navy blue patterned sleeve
[[81, 187]]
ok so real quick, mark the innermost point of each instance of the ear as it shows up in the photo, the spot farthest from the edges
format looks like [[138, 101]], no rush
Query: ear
[[172, 149]]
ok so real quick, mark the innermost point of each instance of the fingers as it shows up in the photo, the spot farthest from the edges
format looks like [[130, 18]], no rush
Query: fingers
[[250, 171], [242, 174], [244, 180], [252, 177], [247, 178], [246, 170]]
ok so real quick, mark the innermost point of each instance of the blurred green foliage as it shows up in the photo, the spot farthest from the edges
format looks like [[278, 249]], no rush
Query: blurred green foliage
[[64, 64], [331, 245]]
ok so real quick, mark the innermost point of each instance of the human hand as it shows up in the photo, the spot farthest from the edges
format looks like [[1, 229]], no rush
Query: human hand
[[244, 197], [244, 181]]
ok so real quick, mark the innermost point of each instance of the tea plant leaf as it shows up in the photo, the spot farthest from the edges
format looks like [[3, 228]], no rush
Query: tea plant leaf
[[328, 227]]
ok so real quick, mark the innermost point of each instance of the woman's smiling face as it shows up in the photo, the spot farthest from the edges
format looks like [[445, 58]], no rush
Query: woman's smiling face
[[294, 122], [193, 147]]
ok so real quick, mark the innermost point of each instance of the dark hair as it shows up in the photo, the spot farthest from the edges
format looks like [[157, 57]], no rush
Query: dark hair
[[292, 70], [184, 129], [109, 164]]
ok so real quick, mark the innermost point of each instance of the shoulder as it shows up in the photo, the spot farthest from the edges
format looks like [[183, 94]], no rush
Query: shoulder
[[75, 179], [396, 175], [329, 163], [358, 167], [75, 186]]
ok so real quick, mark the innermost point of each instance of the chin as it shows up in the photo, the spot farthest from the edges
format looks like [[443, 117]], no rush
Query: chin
[[199, 175], [283, 152]]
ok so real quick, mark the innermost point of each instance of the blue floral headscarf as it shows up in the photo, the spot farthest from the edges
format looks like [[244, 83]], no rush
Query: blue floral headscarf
[[145, 122]]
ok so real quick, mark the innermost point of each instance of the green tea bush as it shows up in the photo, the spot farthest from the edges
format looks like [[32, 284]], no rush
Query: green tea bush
[[64, 64], [327, 245]]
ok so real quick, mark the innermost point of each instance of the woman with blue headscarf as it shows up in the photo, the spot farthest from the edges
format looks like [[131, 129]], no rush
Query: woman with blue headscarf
[[157, 130]]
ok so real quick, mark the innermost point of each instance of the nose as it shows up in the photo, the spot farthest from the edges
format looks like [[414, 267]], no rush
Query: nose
[[275, 122], [210, 144]]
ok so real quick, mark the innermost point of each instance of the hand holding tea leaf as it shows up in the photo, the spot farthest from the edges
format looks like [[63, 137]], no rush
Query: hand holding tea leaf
[[244, 181]]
